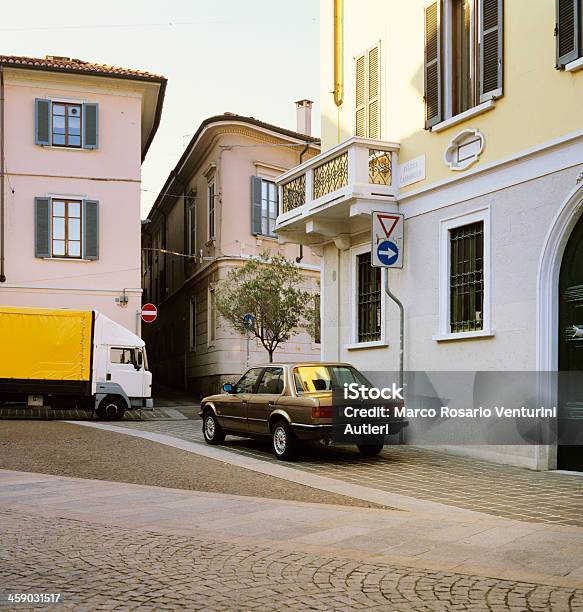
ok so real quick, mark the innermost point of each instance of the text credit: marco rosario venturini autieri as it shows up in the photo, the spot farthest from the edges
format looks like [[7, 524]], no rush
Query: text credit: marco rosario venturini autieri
[[360, 392]]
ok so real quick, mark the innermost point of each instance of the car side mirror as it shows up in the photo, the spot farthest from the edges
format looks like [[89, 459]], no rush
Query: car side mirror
[[228, 388]]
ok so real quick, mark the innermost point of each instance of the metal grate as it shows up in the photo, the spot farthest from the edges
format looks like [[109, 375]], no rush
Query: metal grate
[[379, 167], [467, 277], [294, 193], [331, 175], [369, 300]]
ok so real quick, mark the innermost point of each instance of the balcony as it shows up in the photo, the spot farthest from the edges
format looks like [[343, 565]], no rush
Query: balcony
[[331, 196]]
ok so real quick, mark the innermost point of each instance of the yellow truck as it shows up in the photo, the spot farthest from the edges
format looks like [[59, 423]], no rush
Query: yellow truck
[[72, 359]]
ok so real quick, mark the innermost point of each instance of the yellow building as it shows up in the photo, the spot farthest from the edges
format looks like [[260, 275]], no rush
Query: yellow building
[[465, 116]]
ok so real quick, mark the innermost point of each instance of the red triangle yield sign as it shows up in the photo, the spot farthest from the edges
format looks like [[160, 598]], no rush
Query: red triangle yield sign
[[388, 218]]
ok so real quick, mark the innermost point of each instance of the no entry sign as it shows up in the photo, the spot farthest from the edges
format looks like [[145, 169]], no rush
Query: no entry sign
[[149, 313]]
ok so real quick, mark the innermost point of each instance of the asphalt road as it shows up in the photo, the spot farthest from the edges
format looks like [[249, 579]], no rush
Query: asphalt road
[[63, 449]]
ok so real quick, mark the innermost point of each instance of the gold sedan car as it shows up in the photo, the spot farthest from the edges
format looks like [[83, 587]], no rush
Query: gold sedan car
[[289, 403]]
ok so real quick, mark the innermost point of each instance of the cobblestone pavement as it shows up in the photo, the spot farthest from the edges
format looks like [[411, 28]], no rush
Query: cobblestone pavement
[[482, 486], [131, 569]]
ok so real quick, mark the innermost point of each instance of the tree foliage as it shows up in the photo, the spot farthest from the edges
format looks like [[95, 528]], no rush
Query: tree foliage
[[271, 289]]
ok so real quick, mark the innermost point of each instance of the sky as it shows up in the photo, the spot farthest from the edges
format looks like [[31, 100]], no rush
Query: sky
[[251, 58]]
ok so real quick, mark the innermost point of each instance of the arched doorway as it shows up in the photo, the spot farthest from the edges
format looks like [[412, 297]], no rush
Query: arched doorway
[[570, 350], [549, 328]]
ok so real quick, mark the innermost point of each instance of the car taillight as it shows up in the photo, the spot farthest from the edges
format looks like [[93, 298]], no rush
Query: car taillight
[[322, 412]]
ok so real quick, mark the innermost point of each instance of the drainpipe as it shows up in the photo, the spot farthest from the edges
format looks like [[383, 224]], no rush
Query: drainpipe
[[2, 173], [338, 52], [303, 152]]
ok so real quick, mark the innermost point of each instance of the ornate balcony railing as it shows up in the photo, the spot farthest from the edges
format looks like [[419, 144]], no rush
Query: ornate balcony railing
[[294, 193], [357, 166], [380, 167], [331, 175]]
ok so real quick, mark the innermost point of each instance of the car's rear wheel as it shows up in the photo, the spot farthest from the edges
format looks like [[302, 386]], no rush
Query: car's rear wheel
[[284, 442], [370, 450], [211, 430]]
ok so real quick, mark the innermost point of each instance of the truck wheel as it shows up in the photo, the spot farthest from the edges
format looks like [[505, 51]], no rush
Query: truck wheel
[[211, 430], [284, 442], [111, 408], [370, 450]]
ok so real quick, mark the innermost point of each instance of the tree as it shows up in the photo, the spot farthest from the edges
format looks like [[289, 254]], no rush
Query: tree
[[270, 289]]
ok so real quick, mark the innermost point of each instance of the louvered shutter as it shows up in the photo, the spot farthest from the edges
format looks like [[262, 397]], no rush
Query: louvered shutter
[[567, 31], [42, 227], [360, 90], [433, 97], [42, 122], [491, 48], [256, 184], [90, 229], [90, 125], [373, 93]]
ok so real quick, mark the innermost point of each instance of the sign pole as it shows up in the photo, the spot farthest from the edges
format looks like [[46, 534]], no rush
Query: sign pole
[[401, 342], [387, 251], [401, 328], [248, 322], [247, 359]]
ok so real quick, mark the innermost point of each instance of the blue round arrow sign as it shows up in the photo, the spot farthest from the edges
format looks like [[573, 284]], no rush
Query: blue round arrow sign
[[387, 252]]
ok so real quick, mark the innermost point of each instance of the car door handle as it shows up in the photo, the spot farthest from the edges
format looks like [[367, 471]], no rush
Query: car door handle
[[271, 403]]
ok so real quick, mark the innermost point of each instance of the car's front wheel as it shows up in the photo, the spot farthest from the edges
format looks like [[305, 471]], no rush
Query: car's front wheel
[[284, 441], [370, 450], [211, 430]]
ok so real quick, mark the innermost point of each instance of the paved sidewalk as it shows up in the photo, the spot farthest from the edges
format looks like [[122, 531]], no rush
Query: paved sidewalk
[[138, 547], [482, 486]]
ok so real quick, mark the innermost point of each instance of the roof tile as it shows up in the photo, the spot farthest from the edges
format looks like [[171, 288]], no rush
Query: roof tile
[[67, 64]]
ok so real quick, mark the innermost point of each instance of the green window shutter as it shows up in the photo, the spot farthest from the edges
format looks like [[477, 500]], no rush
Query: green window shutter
[[90, 229], [567, 31], [90, 125], [42, 122], [42, 227], [256, 185], [491, 48], [432, 67]]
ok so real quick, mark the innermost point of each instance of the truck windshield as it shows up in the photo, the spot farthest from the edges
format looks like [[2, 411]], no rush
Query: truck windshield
[[326, 377]]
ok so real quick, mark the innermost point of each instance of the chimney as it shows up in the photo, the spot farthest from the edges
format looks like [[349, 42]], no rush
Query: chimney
[[304, 111]]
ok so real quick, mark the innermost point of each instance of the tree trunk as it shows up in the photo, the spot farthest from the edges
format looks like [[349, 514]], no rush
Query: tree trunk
[[270, 355]]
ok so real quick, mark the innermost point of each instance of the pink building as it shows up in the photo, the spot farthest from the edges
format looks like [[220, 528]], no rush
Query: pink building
[[72, 138], [219, 206]]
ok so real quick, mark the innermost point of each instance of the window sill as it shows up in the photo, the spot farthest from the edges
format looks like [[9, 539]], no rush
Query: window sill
[[63, 148], [355, 346], [482, 333], [469, 114], [76, 259], [574, 65]]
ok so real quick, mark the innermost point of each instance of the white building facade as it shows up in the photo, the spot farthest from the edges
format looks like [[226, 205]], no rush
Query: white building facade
[[438, 113]]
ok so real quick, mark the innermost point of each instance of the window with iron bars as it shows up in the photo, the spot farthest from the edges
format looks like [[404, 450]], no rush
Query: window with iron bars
[[369, 299], [467, 277]]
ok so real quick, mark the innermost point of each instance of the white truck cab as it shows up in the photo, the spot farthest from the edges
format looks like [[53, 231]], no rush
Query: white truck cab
[[120, 365]]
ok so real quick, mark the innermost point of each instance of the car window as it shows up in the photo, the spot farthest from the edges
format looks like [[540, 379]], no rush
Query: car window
[[271, 382], [247, 381], [325, 378]]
